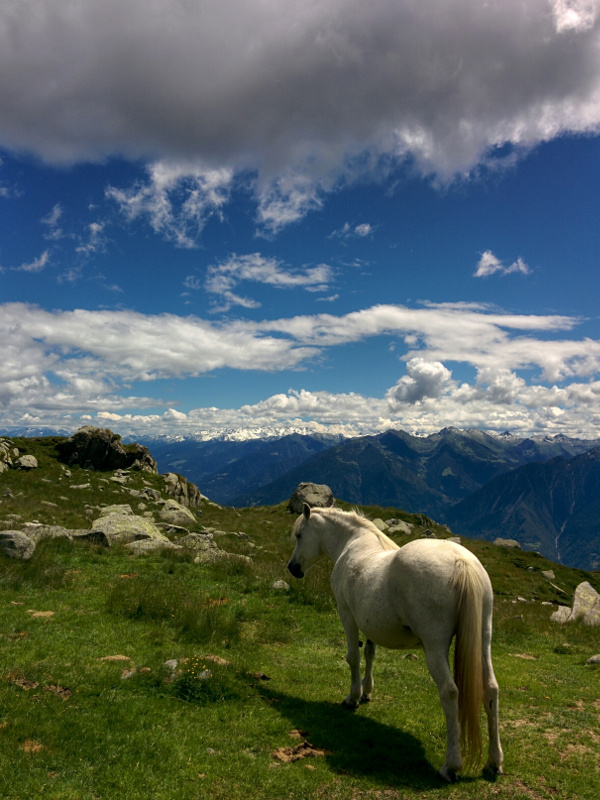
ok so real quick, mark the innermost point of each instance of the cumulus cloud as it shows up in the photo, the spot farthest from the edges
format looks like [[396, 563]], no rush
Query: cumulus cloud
[[423, 379], [490, 265], [299, 98]]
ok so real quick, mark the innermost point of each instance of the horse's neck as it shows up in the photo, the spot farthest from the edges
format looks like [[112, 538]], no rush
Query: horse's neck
[[336, 536]]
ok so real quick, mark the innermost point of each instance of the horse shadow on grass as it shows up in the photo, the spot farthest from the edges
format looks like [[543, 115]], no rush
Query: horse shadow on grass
[[358, 745]]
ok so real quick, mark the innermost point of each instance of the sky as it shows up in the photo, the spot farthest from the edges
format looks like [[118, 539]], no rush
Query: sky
[[264, 215]]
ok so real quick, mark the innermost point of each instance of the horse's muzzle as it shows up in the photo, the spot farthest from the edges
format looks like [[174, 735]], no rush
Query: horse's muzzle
[[294, 568]]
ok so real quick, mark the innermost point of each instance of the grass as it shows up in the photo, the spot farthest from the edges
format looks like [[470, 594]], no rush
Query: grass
[[91, 710]]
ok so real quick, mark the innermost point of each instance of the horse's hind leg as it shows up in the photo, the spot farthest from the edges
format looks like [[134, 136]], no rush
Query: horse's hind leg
[[437, 663], [490, 700], [368, 682]]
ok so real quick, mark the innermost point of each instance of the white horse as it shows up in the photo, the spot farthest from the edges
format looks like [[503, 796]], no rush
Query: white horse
[[424, 593]]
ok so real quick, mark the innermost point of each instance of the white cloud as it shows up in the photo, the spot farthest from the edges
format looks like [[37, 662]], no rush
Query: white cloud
[[177, 199], [352, 231], [37, 265], [51, 220], [490, 265], [296, 98], [423, 379], [58, 366], [222, 278]]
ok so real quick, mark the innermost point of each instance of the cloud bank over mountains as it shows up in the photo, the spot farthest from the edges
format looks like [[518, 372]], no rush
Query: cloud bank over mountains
[[296, 98], [61, 365]]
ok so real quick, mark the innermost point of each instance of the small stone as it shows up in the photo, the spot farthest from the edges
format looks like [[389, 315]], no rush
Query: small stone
[[281, 586], [594, 659]]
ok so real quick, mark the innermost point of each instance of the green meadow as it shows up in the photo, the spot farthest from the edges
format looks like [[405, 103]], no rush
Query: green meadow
[[151, 676]]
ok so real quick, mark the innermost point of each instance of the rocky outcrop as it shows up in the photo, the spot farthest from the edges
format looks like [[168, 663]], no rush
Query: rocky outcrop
[[101, 449], [181, 490], [8, 452], [586, 607], [314, 494]]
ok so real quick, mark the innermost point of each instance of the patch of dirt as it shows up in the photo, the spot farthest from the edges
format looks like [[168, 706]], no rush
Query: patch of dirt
[[115, 658], [40, 614], [25, 684], [298, 734], [60, 691], [526, 656], [303, 750], [31, 746]]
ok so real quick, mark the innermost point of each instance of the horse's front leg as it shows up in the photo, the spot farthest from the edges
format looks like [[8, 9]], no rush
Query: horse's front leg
[[353, 658], [368, 682]]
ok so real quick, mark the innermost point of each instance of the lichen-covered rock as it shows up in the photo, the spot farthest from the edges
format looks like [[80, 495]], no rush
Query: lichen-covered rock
[[313, 494], [173, 513], [586, 604], [198, 541], [16, 545], [101, 449], [120, 528]]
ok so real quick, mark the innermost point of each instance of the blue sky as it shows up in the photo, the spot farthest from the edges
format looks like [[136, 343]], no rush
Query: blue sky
[[257, 216]]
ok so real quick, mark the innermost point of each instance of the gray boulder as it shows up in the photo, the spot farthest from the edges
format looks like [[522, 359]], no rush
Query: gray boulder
[[508, 543], [173, 513], [586, 604], [26, 463], [586, 607], [141, 546], [399, 526], [313, 494], [101, 449], [16, 545], [121, 528]]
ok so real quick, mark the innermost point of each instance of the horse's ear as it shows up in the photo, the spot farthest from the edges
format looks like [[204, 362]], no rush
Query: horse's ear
[[306, 511]]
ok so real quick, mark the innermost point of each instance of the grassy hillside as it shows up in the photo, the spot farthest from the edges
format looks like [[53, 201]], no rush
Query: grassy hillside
[[92, 705]]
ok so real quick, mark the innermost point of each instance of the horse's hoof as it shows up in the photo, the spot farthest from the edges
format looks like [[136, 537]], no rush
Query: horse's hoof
[[449, 775], [351, 705], [493, 770], [366, 698]]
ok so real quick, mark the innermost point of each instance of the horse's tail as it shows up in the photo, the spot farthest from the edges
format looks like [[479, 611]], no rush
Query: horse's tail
[[468, 671]]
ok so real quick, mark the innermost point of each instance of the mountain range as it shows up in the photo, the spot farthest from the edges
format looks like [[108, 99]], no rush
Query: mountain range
[[485, 485]]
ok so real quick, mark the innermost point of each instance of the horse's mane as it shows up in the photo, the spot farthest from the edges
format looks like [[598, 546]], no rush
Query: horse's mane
[[356, 519]]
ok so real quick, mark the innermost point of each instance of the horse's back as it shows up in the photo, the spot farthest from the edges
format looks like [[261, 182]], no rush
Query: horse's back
[[422, 575]]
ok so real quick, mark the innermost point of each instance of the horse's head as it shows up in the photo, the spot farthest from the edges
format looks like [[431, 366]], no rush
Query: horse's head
[[308, 548]]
